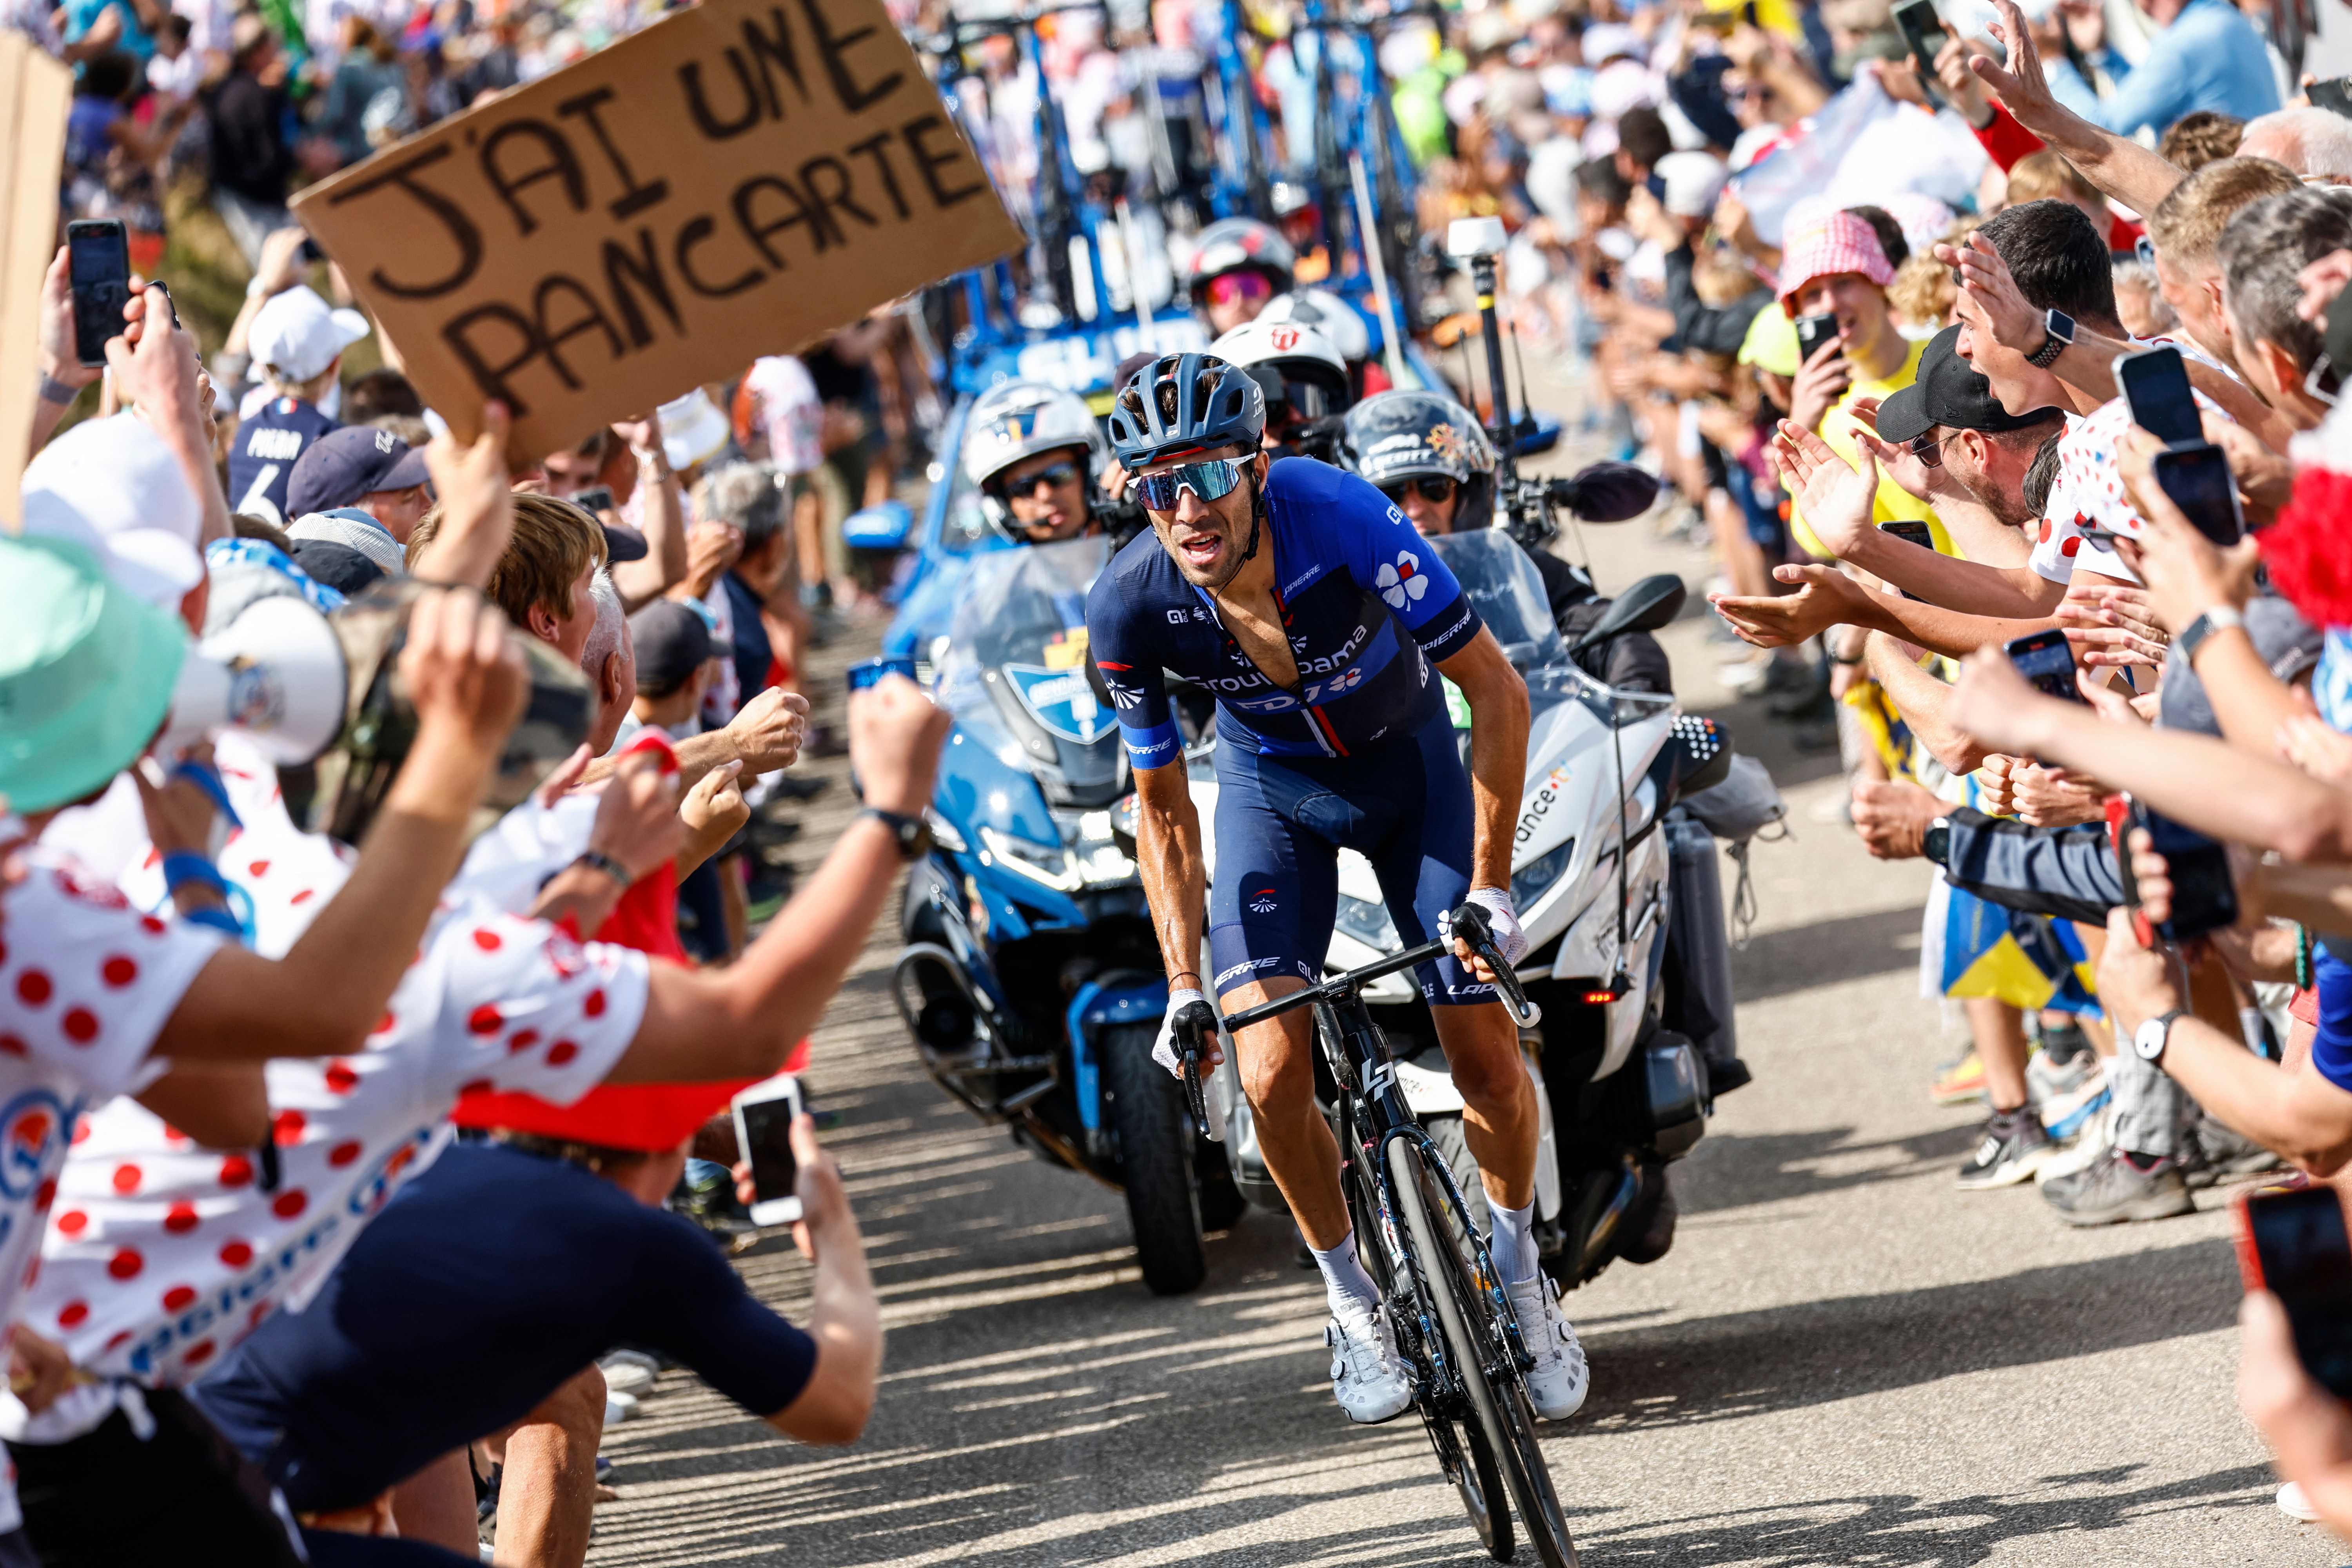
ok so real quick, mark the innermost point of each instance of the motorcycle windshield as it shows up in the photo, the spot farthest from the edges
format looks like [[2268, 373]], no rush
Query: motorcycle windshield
[[1508, 593], [1016, 671]]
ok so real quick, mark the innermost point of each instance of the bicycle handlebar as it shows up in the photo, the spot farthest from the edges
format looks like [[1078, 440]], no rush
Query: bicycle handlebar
[[1469, 923]]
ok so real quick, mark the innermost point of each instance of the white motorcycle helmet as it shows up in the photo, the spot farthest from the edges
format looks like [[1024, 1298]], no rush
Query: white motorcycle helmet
[[1313, 375], [1017, 420], [1328, 314]]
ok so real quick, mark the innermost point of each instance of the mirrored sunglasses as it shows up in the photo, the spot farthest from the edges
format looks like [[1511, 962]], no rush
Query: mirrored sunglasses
[[1212, 480], [1230, 287], [1054, 477]]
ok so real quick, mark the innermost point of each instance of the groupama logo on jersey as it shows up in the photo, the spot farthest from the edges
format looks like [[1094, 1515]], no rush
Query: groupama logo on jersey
[[1403, 582]]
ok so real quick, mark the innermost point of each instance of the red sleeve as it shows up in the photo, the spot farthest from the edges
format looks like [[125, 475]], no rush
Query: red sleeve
[[2123, 235], [2005, 141]]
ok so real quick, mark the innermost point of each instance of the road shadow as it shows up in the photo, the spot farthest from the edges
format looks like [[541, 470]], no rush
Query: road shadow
[[1779, 1358], [1738, 1170], [1826, 953], [1897, 1528]]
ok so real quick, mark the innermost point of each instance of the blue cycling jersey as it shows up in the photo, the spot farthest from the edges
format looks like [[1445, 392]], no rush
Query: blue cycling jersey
[[1368, 605]]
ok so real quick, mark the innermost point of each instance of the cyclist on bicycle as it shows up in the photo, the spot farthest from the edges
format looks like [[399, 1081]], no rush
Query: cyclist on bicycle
[[1310, 606]]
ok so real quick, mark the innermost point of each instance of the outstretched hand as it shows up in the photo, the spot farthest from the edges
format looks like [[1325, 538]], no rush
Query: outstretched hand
[[1834, 496], [1827, 597], [2023, 91]]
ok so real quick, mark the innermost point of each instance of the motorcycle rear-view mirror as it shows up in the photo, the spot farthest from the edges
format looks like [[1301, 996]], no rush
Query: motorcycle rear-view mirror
[[1650, 603], [1534, 434]]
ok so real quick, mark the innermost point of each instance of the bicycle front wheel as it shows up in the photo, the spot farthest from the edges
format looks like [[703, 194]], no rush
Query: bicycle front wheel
[[1498, 1403]]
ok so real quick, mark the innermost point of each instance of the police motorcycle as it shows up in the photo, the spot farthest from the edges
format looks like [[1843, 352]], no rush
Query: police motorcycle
[[1031, 980], [1614, 880]]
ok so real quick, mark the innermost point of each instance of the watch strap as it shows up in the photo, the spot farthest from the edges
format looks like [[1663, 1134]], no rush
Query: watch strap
[[2053, 345], [2163, 1021], [913, 834], [598, 860], [2220, 617]]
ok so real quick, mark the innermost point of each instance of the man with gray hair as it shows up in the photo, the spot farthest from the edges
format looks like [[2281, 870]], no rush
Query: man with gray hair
[[2316, 144], [609, 660], [2262, 252], [766, 623]]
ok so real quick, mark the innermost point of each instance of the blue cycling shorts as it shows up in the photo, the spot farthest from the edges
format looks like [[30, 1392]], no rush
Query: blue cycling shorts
[[1281, 824]]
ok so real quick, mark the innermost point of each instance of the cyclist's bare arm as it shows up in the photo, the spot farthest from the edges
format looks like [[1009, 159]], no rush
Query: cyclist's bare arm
[[1168, 853]]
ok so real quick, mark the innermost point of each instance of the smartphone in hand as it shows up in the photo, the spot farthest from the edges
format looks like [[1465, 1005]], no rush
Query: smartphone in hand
[[1812, 331], [97, 262], [2197, 478], [2204, 892], [1911, 531], [1924, 31], [2333, 96], [2045, 660], [2292, 1243], [763, 1134], [2155, 383]]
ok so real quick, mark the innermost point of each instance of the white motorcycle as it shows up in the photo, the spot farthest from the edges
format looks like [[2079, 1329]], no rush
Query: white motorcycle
[[1625, 979]]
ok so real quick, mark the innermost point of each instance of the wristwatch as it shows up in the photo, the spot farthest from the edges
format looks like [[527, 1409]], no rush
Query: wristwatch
[[2153, 1035], [2059, 329], [1936, 844], [913, 834], [2220, 617]]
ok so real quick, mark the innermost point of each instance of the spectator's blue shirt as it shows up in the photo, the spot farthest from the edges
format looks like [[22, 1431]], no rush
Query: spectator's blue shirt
[[262, 460], [2331, 1048], [2210, 58], [1368, 605], [81, 16]]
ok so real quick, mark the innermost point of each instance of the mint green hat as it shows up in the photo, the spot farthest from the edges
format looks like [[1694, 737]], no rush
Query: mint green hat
[[86, 671]]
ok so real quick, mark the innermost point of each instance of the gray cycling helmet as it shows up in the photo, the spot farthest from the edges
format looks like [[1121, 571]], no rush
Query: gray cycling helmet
[[1398, 435], [1182, 404]]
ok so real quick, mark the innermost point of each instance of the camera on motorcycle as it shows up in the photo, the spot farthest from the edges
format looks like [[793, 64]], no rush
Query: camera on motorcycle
[[1652, 603]]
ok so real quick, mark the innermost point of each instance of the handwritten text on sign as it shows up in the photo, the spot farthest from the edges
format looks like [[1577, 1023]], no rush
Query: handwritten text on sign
[[734, 180]]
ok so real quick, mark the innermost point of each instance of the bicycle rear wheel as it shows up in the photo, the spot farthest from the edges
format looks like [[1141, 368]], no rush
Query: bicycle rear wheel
[[1462, 1451], [1498, 1406]]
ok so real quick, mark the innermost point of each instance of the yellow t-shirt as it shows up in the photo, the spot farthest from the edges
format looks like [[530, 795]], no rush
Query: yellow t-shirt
[[1894, 503]]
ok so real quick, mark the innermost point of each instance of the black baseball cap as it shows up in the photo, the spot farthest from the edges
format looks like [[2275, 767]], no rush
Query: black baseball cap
[[1948, 391], [672, 641], [343, 465]]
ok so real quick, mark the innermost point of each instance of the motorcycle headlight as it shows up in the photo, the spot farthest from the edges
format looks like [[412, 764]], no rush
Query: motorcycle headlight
[[1045, 864], [1532, 880], [943, 833], [1368, 924]]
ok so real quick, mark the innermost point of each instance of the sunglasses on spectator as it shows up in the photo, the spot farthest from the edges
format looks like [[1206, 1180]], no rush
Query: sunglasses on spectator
[[1929, 453], [1210, 480], [1232, 288], [1433, 487], [1053, 478]]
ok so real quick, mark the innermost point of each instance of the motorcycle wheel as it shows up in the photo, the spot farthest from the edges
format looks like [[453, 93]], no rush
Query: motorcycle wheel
[[1222, 1204], [1146, 1111], [1453, 1141]]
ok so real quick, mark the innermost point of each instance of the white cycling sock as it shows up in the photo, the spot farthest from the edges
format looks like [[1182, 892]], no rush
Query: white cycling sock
[[1513, 1244], [1344, 1278]]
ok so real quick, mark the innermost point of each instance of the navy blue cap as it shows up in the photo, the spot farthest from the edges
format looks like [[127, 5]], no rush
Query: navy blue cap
[[343, 465]]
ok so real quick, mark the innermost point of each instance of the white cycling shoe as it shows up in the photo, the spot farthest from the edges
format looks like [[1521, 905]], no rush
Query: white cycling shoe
[[1560, 1380], [1368, 1378]]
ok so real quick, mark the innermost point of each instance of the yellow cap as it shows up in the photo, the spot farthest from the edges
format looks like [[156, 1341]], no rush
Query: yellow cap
[[1771, 342]]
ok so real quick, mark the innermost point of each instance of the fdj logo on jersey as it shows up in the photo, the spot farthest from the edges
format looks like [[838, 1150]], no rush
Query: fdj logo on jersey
[[1261, 901], [1403, 582], [1062, 702]]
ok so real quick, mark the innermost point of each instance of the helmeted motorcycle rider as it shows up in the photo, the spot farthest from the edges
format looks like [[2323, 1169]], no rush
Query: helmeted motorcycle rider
[[1302, 599], [1338, 321], [1429, 454], [1036, 457], [1238, 266], [1306, 384]]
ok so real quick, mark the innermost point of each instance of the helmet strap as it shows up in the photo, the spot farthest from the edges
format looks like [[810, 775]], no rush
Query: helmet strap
[[1257, 521]]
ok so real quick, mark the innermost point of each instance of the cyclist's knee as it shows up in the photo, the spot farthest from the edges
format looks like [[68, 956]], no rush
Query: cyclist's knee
[[1485, 1062], [1277, 1068]]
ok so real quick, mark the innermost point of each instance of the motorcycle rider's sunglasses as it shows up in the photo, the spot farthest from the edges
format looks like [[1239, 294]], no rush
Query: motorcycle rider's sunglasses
[[1213, 478], [1435, 488], [1053, 478], [1232, 288]]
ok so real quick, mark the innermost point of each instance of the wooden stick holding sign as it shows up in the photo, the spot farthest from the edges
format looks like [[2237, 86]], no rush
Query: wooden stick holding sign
[[35, 93], [737, 179]]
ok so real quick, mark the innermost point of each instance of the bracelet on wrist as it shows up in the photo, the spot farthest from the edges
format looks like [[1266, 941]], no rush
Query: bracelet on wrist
[[58, 394], [183, 868], [598, 860]]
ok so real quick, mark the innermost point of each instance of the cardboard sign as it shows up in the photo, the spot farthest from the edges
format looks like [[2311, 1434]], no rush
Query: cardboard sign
[[737, 179], [35, 93]]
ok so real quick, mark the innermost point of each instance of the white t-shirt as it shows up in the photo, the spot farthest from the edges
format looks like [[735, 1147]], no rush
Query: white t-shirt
[[85, 984], [2087, 500], [161, 1256], [791, 411]]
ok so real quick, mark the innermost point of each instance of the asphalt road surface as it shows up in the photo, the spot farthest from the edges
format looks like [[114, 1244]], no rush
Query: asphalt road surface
[[1844, 1359]]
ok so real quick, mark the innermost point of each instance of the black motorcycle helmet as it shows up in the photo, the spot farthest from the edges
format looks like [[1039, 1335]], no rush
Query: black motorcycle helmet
[[1402, 435]]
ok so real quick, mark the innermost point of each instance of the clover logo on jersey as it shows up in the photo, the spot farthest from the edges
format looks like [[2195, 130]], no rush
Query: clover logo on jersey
[[1402, 583]]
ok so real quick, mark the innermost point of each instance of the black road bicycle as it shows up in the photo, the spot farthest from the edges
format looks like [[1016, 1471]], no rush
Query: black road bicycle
[[1455, 1331]]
